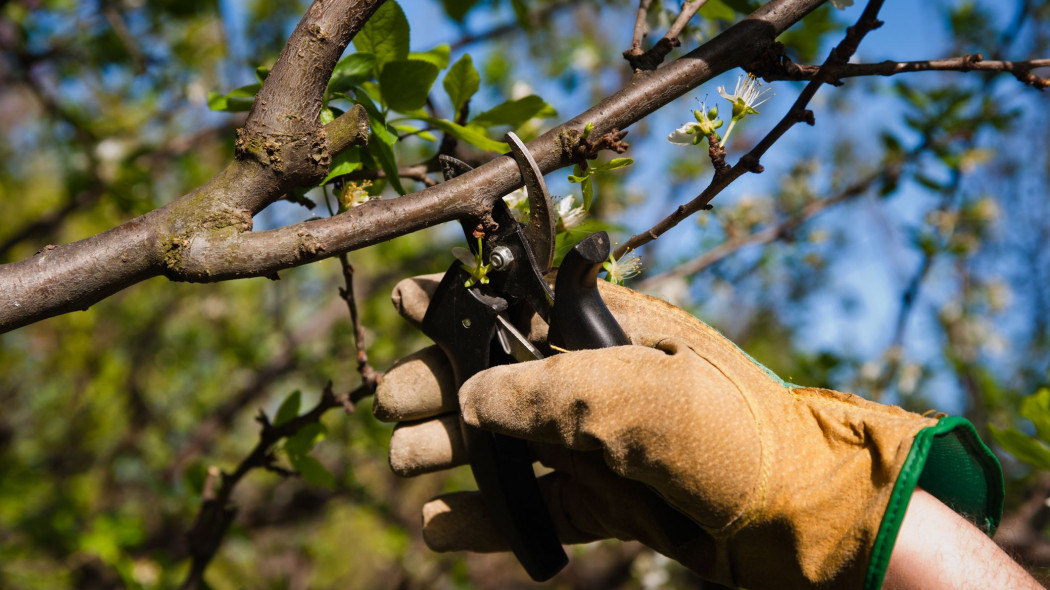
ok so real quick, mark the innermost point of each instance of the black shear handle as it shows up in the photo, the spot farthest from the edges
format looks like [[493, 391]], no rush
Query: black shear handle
[[580, 320], [463, 322]]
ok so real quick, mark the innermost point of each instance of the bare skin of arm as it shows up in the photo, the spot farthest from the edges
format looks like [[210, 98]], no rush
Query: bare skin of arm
[[937, 548]]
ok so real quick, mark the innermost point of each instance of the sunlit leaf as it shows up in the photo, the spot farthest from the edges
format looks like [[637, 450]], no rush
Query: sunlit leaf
[[515, 112], [439, 56], [469, 134], [1022, 446], [1036, 408], [405, 84], [385, 35], [461, 82], [345, 163], [351, 71]]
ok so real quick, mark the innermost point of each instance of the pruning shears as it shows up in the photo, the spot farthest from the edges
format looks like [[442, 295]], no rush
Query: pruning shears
[[473, 321]]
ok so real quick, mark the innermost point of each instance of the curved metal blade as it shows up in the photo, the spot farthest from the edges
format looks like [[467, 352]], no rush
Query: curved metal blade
[[539, 231]]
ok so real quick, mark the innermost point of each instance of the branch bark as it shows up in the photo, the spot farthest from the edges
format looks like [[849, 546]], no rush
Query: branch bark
[[205, 236]]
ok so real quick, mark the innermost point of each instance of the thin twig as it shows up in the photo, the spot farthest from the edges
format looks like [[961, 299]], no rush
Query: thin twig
[[120, 29], [652, 59], [867, 22], [369, 376], [689, 9], [639, 30], [1022, 70]]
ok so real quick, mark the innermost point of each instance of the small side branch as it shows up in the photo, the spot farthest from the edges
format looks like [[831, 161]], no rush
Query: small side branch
[[639, 30], [971, 62], [650, 60]]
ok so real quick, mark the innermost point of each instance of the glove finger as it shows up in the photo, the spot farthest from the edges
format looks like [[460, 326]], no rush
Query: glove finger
[[427, 446], [460, 521], [587, 504], [420, 385], [411, 296]]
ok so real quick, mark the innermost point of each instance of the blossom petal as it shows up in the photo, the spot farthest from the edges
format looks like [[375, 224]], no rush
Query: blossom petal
[[683, 135]]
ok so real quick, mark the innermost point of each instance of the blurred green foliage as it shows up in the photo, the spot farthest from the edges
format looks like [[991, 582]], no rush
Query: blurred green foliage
[[112, 416]]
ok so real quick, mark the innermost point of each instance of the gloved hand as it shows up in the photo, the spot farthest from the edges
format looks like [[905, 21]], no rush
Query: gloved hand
[[792, 486]]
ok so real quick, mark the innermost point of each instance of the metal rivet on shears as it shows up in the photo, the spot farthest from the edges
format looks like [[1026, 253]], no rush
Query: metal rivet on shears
[[466, 322], [501, 257]]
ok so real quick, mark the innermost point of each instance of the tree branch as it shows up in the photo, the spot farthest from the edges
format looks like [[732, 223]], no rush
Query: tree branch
[[205, 236], [651, 59], [750, 161], [1022, 70], [216, 514]]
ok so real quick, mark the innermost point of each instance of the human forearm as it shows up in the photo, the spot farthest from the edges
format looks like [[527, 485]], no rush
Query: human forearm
[[936, 548]]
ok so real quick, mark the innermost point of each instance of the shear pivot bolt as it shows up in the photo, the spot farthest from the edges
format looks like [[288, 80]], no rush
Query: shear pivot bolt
[[501, 257]]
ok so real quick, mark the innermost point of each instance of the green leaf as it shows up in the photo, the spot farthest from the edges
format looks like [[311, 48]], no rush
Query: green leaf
[[237, 100], [613, 164], [718, 10], [577, 179], [289, 408], [1024, 447], [1036, 408], [461, 82], [302, 441], [327, 116], [351, 71], [411, 130], [216, 101], [312, 471], [457, 9], [565, 240], [929, 183], [588, 192], [345, 163], [383, 139], [248, 91], [439, 56], [470, 134], [405, 84], [515, 112], [521, 12], [261, 72], [742, 6], [385, 35]]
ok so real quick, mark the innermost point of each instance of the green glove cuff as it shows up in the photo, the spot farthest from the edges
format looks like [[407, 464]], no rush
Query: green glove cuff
[[949, 461]]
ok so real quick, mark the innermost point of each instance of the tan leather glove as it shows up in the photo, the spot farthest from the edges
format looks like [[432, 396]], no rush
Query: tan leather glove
[[794, 487]]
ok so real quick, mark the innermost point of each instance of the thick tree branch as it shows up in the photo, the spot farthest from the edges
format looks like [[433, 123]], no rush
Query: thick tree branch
[[283, 131], [205, 236]]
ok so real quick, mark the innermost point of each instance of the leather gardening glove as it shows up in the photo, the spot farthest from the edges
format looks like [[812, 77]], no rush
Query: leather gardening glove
[[794, 487]]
